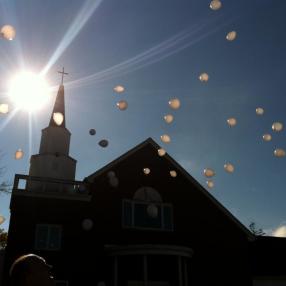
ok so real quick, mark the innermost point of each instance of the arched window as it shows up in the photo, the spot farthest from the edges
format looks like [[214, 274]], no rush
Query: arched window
[[147, 194]]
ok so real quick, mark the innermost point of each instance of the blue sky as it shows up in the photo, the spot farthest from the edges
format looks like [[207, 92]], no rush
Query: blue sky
[[157, 50]]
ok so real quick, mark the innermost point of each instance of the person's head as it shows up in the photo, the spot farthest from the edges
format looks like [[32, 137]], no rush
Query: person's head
[[30, 270]]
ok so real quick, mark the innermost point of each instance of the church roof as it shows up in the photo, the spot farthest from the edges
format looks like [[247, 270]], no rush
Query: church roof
[[167, 157], [59, 107]]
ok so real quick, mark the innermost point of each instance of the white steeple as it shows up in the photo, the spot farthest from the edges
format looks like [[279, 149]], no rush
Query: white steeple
[[53, 160]]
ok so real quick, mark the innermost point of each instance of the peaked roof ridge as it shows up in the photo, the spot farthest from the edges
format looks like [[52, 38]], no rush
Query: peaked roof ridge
[[150, 141], [123, 156]]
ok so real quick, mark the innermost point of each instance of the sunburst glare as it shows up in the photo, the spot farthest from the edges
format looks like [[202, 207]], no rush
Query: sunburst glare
[[28, 91], [80, 20]]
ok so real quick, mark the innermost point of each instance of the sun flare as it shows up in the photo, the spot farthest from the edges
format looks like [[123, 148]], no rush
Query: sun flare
[[29, 91]]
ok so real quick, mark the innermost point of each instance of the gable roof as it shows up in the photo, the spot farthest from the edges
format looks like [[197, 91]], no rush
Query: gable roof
[[167, 157]]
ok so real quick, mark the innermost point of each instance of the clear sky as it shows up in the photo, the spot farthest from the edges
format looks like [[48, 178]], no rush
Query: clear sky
[[157, 50]]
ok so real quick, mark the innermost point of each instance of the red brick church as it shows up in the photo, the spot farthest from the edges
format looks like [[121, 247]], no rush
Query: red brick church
[[121, 227]]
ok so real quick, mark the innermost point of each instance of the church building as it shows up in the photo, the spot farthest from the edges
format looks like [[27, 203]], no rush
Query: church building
[[121, 226]]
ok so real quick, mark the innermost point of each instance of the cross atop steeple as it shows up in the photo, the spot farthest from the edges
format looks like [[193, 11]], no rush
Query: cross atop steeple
[[63, 73]]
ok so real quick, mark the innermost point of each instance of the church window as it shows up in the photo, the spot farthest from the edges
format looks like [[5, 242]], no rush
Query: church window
[[147, 211], [48, 237]]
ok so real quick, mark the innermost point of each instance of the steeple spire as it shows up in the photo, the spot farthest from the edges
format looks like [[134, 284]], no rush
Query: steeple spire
[[53, 160], [59, 107]]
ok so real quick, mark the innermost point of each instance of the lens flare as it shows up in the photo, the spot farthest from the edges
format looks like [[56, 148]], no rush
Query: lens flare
[[29, 91], [4, 108]]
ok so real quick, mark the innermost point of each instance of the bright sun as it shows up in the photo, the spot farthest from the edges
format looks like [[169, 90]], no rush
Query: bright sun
[[29, 91]]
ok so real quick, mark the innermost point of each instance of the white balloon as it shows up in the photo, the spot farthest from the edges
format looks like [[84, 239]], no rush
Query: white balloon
[[165, 138], [267, 137], [215, 5], [169, 118], [259, 111], [122, 104], [279, 152], [208, 172], [204, 77], [277, 126], [111, 174], [8, 32], [229, 167], [58, 118], [161, 152], [210, 184], [231, 122], [87, 224], [19, 154], [152, 211], [113, 182], [4, 108], [146, 171], [231, 36], [173, 173], [175, 103], [119, 88]]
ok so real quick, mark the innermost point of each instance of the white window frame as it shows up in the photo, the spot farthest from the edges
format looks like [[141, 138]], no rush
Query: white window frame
[[49, 226]]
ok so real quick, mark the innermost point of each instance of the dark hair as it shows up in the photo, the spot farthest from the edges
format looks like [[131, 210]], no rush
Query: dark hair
[[21, 267]]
